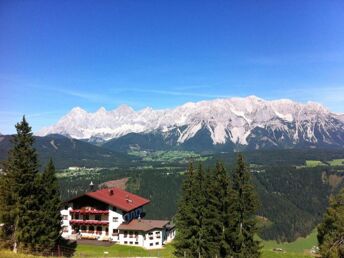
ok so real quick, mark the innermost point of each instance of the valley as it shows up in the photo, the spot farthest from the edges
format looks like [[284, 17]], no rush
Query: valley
[[293, 188]]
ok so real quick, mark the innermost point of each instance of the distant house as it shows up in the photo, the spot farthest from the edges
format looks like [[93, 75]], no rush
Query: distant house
[[74, 168], [114, 215]]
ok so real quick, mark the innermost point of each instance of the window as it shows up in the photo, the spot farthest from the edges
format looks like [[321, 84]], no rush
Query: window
[[115, 232], [151, 244], [76, 215], [125, 242], [91, 228], [98, 217], [115, 219], [156, 243], [65, 229], [65, 217], [136, 243], [86, 217], [131, 242]]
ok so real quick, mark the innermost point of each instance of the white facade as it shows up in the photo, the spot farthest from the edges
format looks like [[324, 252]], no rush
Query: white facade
[[66, 227], [115, 219], [150, 240]]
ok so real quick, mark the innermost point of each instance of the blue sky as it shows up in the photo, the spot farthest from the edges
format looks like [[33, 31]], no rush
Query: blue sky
[[55, 55]]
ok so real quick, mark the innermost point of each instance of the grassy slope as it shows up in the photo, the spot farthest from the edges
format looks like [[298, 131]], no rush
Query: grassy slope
[[125, 251], [10, 254], [300, 246], [295, 249], [336, 162], [122, 251]]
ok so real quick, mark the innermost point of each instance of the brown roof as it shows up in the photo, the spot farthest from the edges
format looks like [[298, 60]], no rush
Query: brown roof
[[143, 225]]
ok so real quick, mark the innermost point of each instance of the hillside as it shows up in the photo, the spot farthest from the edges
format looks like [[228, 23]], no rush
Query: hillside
[[68, 152]]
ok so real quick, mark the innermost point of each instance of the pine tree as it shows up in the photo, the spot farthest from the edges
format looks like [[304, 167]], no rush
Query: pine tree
[[50, 208], [20, 190], [224, 191], [199, 207], [7, 208], [212, 223], [242, 222], [190, 239], [331, 230], [184, 217]]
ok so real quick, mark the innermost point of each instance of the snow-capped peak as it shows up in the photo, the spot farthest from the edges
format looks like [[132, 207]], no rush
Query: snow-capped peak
[[78, 110], [124, 109], [230, 119]]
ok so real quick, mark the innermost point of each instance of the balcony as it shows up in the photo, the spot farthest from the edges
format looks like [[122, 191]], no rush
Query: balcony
[[89, 222], [94, 211]]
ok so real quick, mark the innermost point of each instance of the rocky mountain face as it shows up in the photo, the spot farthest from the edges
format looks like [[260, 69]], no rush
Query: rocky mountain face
[[221, 124]]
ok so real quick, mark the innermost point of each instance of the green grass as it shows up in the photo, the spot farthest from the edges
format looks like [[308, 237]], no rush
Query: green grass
[[297, 249], [314, 163], [10, 254], [301, 245], [130, 251], [336, 162], [317, 163], [182, 157], [122, 251], [272, 254]]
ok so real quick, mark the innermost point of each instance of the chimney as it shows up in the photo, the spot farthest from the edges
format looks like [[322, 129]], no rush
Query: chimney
[[111, 192]]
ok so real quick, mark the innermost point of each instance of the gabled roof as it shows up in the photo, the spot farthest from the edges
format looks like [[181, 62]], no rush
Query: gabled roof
[[117, 197], [143, 225]]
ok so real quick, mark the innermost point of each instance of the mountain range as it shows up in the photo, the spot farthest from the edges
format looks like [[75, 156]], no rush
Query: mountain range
[[222, 124]]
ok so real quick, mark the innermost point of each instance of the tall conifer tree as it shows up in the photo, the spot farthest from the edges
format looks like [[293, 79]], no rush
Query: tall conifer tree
[[7, 208], [243, 205], [185, 217], [212, 223], [224, 187], [331, 230], [216, 212], [199, 206], [51, 206], [20, 191], [190, 239]]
